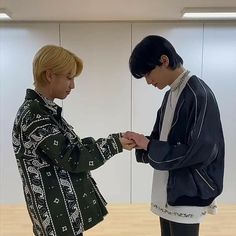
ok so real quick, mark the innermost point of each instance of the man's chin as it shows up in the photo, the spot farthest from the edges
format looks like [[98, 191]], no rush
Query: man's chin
[[160, 88], [62, 97]]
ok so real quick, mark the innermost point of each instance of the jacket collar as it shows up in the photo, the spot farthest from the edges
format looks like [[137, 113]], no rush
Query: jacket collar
[[52, 106], [179, 104]]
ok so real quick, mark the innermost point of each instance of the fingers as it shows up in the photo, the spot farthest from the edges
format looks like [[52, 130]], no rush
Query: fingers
[[129, 147], [140, 140], [127, 144], [130, 135]]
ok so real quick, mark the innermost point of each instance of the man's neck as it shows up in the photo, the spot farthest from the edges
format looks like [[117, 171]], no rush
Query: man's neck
[[176, 73], [44, 93]]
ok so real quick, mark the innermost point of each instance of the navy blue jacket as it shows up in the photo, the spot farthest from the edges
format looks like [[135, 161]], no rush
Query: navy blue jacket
[[194, 151]]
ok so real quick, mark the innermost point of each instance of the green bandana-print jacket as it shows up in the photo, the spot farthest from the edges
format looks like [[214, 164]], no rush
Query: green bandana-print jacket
[[54, 164]]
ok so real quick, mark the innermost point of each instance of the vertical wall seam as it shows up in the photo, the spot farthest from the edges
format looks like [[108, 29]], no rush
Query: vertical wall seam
[[203, 37], [131, 117], [59, 36]]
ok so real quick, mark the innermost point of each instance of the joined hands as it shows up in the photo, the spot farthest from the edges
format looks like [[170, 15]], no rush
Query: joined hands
[[132, 140]]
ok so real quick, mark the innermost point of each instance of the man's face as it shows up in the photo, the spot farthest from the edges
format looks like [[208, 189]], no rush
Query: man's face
[[157, 77], [61, 85]]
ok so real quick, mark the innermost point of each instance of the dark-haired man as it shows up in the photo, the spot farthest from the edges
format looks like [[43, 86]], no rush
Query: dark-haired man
[[186, 146]]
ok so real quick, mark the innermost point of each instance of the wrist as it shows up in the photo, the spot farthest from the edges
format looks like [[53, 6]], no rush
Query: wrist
[[148, 145]]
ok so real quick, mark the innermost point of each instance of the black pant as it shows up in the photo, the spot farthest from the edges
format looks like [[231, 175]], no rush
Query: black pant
[[170, 228]]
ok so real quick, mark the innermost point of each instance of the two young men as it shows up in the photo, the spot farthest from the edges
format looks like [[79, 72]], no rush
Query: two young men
[[185, 148]]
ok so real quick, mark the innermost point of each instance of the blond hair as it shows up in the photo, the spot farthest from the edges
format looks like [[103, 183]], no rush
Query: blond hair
[[57, 59]]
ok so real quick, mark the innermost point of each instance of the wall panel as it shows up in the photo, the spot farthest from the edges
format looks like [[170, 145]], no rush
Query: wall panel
[[219, 71], [100, 104], [106, 100], [18, 44]]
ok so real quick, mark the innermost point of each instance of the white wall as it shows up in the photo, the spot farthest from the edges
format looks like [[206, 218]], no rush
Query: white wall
[[101, 103], [219, 71], [106, 99], [19, 43]]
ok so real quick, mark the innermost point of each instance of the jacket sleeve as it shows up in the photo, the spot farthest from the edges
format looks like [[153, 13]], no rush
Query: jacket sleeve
[[41, 136], [205, 138]]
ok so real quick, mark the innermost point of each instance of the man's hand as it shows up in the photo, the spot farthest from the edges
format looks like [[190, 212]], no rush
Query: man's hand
[[140, 140], [127, 144]]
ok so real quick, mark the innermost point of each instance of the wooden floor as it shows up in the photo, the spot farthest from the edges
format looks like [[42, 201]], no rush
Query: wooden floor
[[123, 220]]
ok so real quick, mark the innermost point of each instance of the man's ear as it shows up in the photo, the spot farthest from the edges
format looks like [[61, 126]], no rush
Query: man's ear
[[49, 76], [164, 60]]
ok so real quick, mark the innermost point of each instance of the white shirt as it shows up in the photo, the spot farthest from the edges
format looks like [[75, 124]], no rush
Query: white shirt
[[159, 206]]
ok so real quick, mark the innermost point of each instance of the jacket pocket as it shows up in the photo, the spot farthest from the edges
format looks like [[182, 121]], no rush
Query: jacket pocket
[[191, 187], [205, 180]]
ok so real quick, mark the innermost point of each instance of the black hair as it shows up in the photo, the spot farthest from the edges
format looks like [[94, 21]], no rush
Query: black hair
[[146, 55]]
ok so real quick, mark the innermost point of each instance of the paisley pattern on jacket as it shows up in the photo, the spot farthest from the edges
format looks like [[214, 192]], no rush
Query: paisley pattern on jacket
[[54, 163]]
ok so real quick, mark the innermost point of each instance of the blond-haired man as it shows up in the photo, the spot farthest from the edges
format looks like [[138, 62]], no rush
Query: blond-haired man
[[54, 163]]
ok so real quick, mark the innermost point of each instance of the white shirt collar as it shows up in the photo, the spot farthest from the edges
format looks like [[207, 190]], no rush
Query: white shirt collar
[[179, 80]]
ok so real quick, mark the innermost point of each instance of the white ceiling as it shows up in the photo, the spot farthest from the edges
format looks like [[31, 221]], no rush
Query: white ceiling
[[104, 10]]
